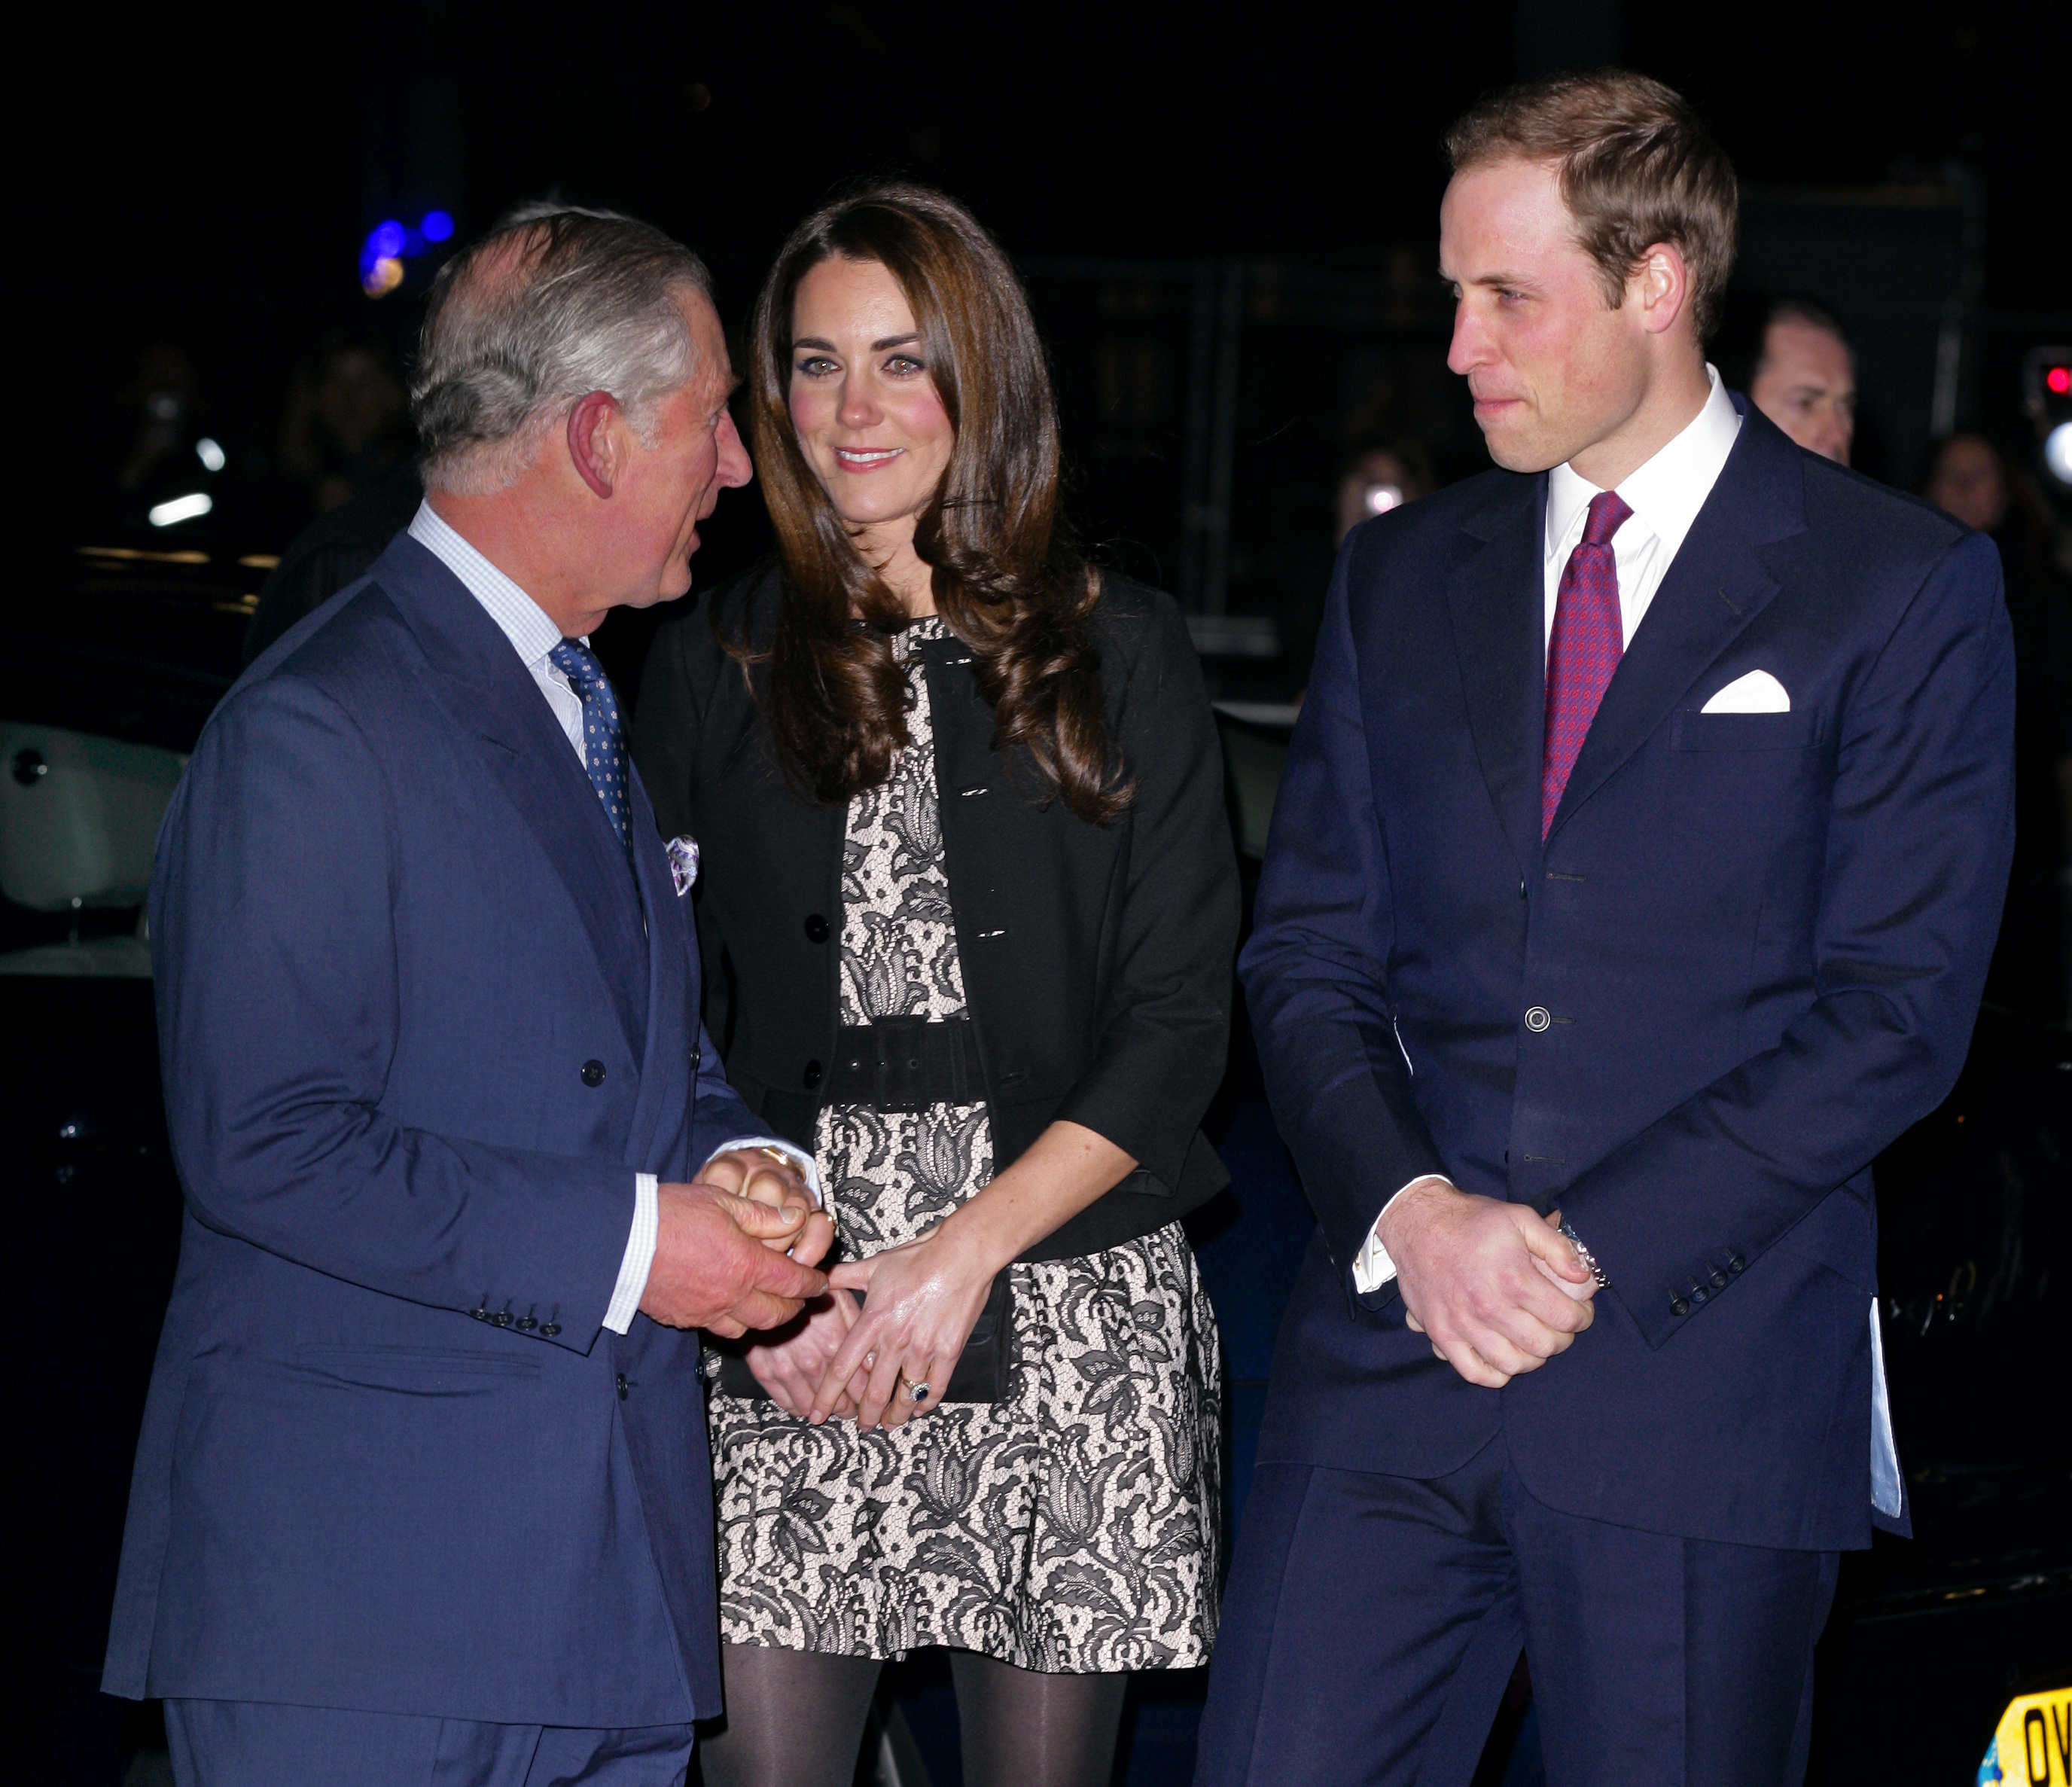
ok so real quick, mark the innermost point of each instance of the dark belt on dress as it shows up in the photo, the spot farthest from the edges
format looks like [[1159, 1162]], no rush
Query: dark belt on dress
[[906, 1064]]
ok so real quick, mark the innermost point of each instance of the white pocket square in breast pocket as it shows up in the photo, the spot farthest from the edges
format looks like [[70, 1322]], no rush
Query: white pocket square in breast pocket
[[683, 855], [1757, 693]]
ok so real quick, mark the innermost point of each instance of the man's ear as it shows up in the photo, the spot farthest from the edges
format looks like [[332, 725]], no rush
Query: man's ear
[[597, 441], [1664, 283]]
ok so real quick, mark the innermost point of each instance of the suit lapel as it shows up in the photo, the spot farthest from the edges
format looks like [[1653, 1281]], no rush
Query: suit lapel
[[495, 705], [1716, 587], [671, 1006], [1498, 606]]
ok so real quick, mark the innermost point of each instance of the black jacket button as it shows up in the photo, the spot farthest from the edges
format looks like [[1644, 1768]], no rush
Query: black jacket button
[[593, 1073], [812, 1077], [619, 1379], [1719, 1279], [1677, 1306], [526, 1324], [1735, 1263], [549, 1330], [816, 929]]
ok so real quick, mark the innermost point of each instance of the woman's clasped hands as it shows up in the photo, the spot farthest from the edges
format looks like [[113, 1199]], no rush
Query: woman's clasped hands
[[884, 1361]]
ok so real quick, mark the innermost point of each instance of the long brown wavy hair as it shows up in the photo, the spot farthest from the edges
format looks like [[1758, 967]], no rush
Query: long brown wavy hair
[[1007, 577]]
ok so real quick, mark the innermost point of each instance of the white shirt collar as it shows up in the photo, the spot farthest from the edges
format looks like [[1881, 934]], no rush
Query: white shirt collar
[[1665, 494], [524, 623]]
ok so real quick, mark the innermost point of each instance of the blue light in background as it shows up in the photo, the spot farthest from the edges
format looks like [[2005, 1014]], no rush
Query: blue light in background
[[389, 244]]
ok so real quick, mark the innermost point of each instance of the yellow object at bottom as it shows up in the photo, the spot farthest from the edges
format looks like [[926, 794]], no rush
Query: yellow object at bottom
[[2033, 1746]]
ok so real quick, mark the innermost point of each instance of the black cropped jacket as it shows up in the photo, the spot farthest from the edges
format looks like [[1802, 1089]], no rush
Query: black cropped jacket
[[1096, 958]]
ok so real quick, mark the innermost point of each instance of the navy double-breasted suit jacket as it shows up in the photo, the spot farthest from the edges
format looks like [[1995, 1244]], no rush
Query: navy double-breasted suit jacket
[[1748, 955], [390, 1459]]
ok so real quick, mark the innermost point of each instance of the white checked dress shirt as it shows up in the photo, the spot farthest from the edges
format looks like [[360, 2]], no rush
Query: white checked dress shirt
[[533, 636], [1665, 495]]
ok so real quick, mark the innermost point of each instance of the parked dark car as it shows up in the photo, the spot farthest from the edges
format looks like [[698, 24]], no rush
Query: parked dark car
[[112, 658]]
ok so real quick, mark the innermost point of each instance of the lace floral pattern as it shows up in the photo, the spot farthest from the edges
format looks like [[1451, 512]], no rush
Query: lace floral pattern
[[1071, 1526]]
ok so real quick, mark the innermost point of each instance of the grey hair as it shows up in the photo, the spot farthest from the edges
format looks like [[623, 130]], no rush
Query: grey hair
[[554, 302]]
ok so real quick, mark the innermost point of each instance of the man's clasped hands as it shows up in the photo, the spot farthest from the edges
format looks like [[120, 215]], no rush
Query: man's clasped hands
[[737, 1249]]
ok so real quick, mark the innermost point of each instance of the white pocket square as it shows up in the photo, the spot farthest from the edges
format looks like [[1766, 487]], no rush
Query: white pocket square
[[683, 855], [1757, 693]]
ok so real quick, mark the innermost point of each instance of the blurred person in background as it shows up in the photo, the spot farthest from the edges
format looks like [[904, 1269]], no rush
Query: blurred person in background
[[1378, 476], [971, 871], [346, 445], [345, 426], [1970, 479], [167, 452], [335, 548], [1804, 377]]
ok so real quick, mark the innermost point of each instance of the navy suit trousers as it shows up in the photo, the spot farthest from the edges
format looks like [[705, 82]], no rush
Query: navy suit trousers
[[1372, 1622], [247, 1743]]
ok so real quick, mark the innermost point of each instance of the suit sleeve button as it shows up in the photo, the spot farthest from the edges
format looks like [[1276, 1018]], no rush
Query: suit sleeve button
[[1719, 1279], [1735, 1263], [549, 1330], [812, 1077], [593, 1073], [1677, 1306], [816, 929]]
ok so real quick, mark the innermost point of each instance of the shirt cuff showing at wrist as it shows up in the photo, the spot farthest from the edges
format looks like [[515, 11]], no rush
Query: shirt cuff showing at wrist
[[639, 1258], [1372, 1268]]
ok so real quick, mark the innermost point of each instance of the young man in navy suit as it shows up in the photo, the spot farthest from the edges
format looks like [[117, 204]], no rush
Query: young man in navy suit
[[1631, 886], [422, 1492]]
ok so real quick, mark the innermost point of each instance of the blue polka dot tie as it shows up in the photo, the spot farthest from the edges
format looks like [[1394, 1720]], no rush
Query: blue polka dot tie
[[604, 739]]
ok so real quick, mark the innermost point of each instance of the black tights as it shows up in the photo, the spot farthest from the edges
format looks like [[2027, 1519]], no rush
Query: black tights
[[794, 1718]]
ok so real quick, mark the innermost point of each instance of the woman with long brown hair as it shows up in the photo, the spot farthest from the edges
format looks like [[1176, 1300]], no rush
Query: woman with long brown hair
[[968, 883]]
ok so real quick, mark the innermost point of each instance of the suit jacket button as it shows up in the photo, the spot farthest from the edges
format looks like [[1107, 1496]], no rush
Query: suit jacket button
[[549, 1330], [697, 1059], [816, 929], [593, 1073], [812, 1077], [1719, 1279], [1697, 1291], [526, 1324], [1537, 1018], [1677, 1306], [1735, 1263]]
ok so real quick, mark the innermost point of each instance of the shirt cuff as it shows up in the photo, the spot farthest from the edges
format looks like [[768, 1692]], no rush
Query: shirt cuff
[[1372, 1268], [799, 1158], [639, 1258]]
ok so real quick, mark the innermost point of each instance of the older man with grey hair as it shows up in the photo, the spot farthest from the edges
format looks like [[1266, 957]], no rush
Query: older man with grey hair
[[422, 1492]]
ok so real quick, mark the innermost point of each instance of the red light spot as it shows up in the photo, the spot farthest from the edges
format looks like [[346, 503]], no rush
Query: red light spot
[[2059, 379]]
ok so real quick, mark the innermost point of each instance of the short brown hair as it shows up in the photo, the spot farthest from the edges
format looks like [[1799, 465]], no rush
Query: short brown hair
[[1637, 167], [1008, 580]]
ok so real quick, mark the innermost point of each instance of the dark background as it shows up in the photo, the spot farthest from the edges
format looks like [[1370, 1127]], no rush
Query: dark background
[[1228, 222], [1228, 216]]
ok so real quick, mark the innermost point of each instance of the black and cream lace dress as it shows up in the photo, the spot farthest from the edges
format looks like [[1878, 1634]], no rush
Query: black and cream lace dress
[[1069, 1527]]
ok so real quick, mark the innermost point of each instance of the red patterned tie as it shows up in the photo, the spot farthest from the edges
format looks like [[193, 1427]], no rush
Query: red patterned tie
[[1584, 650]]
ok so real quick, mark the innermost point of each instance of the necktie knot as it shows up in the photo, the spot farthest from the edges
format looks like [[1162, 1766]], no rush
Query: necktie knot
[[1608, 513], [578, 663]]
